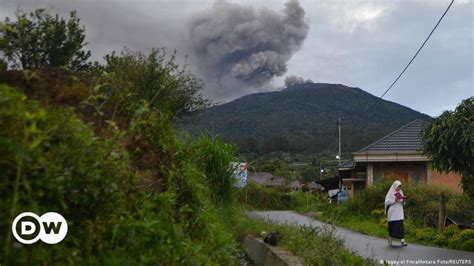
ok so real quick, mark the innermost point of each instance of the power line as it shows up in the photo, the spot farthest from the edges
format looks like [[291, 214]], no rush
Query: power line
[[409, 63]]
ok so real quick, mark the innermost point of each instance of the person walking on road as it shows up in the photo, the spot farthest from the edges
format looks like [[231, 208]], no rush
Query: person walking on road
[[394, 209]]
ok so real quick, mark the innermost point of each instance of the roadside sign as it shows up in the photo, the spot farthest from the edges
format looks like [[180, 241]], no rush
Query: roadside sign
[[240, 174]]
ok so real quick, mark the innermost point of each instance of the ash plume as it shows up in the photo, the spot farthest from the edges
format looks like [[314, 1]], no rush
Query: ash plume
[[293, 80], [242, 48]]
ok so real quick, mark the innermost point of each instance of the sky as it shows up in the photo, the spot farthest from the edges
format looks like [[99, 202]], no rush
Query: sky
[[242, 47]]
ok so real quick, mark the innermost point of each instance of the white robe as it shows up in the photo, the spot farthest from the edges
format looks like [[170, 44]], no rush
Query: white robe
[[395, 210]]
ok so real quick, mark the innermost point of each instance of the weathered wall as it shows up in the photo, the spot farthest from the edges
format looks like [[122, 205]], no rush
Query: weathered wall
[[405, 171], [450, 180]]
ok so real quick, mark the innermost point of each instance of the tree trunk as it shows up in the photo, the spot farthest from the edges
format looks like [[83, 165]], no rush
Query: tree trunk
[[442, 212]]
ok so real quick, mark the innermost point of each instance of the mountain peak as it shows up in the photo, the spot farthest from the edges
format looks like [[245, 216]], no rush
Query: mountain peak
[[312, 85], [302, 118], [329, 86]]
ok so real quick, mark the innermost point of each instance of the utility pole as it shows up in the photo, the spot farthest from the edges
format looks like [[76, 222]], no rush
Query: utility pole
[[339, 129], [320, 171]]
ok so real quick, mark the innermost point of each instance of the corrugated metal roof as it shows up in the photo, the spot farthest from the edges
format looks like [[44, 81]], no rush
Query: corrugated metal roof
[[404, 139]]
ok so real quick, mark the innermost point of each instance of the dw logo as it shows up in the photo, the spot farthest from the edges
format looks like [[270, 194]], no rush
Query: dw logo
[[28, 228]]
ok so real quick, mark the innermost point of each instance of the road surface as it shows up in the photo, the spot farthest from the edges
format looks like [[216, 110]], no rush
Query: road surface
[[375, 248]]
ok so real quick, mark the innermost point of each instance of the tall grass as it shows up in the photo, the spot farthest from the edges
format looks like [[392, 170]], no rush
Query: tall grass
[[215, 158]]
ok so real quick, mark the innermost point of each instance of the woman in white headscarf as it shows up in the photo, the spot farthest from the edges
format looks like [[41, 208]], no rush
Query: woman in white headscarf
[[394, 209]]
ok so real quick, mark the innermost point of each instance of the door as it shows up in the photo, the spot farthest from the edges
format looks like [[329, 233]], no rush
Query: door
[[402, 176]]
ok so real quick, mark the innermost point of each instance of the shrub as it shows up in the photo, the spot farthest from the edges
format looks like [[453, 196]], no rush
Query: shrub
[[371, 198], [303, 201], [454, 238], [441, 240], [260, 197], [51, 161], [156, 79], [426, 234], [466, 234], [460, 208], [462, 237], [422, 203], [467, 245], [449, 237]]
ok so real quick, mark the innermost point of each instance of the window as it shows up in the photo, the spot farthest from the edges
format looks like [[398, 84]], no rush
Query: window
[[416, 177]]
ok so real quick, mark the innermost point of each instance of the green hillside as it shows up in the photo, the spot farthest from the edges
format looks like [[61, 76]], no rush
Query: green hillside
[[303, 119]]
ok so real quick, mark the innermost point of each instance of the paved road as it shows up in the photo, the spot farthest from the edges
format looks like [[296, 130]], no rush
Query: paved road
[[374, 247]]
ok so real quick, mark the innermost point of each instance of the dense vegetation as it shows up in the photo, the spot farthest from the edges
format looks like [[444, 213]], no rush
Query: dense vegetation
[[257, 197], [100, 149], [111, 164], [303, 119], [293, 166], [449, 143]]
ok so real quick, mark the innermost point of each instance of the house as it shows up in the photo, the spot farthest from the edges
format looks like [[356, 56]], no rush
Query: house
[[267, 179], [315, 187], [294, 185], [397, 154], [271, 181], [329, 183]]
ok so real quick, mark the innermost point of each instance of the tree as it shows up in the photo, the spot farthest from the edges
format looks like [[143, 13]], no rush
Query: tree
[[157, 79], [449, 143], [38, 40]]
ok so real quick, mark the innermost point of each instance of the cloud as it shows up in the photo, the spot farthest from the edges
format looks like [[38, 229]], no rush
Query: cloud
[[361, 43], [372, 53], [242, 48]]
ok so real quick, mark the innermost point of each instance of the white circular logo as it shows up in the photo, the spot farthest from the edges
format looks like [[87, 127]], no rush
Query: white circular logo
[[51, 228]]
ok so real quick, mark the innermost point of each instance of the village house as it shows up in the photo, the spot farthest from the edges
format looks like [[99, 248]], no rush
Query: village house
[[267, 179], [397, 154], [277, 182]]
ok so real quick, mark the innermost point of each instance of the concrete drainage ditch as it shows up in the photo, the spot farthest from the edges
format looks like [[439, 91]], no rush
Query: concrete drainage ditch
[[262, 254]]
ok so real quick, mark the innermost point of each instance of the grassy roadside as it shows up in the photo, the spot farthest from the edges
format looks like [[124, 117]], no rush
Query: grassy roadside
[[364, 213], [373, 225], [376, 225], [314, 245]]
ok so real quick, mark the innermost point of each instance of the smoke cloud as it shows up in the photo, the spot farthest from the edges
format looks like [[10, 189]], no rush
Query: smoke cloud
[[293, 80], [241, 48]]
